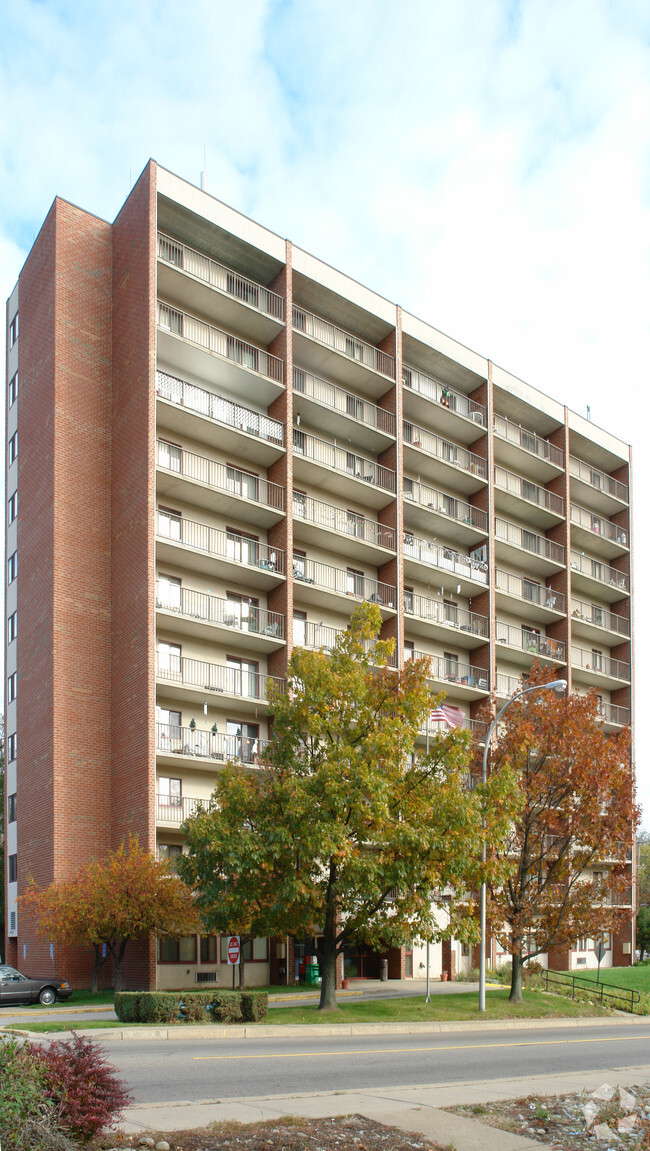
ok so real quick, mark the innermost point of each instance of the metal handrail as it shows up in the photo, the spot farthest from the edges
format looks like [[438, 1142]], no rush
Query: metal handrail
[[530, 590], [529, 491], [528, 540], [456, 455], [341, 520], [244, 484], [433, 554], [444, 504], [346, 342], [626, 997], [343, 581], [529, 441], [442, 394], [226, 545], [349, 404], [598, 479], [446, 614], [219, 276], [256, 359], [218, 408], [351, 463], [598, 525], [211, 609], [596, 569]]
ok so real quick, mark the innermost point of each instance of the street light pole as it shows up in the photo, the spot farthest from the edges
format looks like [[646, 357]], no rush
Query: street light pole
[[557, 685]]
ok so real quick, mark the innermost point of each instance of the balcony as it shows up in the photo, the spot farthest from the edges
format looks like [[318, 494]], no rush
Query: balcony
[[445, 560], [452, 623], [316, 582], [356, 535], [325, 347], [530, 642], [596, 488], [342, 413], [189, 401], [508, 685], [586, 571], [613, 715], [177, 808], [197, 546], [172, 741], [472, 680], [543, 508], [522, 448], [435, 457], [183, 672], [601, 536], [246, 369], [597, 668], [317, 637], [420, 391], [188, 612], [376, 483], [542, 556], [534, 600], [218, 487], [430, 509], [432, 728], [591, 619]]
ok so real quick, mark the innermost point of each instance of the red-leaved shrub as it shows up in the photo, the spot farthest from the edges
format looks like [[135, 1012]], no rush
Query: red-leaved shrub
[[82, 1086]]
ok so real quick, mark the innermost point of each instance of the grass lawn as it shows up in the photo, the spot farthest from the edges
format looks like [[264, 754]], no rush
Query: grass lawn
[[637, 977]]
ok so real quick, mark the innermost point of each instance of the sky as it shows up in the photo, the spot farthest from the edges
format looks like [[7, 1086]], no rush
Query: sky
[[483, 163]]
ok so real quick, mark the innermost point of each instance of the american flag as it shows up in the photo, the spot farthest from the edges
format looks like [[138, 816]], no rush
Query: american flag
[[452, 716]]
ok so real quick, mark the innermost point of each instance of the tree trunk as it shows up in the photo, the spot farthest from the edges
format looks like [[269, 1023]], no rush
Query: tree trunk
[[327, 961], [517, 978], [118, 957], [96, 966]]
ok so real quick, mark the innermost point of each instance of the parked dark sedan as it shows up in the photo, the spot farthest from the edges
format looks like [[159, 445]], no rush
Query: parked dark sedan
[[18, 988]]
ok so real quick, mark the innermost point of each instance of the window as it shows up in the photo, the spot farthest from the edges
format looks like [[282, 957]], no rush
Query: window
[[13, 868], [354, 406], [450, 506], [531, 590], [241, 740], [242, 548], [169, 524], [181, 950], [409, 650], [170, 852], [12, 626], [408, 489], [451, 666], [11, 687], [528, 440], [13, 331], [530, 541], [242, 612], [208, 948], [242, 677], [170, 791], [12, 567], [169, 660], [13, 507], [409, 605], [596, 659], [530, 491], [449, 452], [300, 628], [170, 456], [243, 353], [169, 592], [300, 565], [169, 726], [13, 448], [13, 389], [252, 950], [11, 808], [582, 944], [170, 319], [300, 504], [299, 441], [354, 348], [450, 610], [11, 747], [242, 483], [354, 582], [356, 525]]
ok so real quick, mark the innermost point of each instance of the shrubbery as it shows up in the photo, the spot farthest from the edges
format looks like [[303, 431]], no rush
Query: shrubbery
[[191, 1006]]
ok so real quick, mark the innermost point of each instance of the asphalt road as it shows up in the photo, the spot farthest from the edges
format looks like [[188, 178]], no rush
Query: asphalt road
[[170, 1071]]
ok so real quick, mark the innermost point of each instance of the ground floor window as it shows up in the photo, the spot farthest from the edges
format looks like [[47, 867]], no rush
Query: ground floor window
[[408, 963], [208, 949], [177, 950], [252, 950]]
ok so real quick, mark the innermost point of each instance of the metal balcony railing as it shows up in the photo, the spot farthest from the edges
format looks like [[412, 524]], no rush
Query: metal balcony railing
[[453, 454], [598, 480], [218, 408], [345, 582], [529, 590], [599, 526], [227, 479], [527, 490], [242, 682], [218, 276], [600, 571], [455, 671], [529, 541], [341, 401], [598, 661], [222, 545], [177, 808], [446, 559], [530, 441], [211, 609], [507, 685], [317, 636], [215, 340], [444, 395], [340, 520], [444, 504], [342, 341], [600, 616], [478, 727], [614, 713], [177, 740], [447, 615], [343, 461], [530, 641]]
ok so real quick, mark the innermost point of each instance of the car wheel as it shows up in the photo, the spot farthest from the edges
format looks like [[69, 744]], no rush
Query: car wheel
[[47, 996]]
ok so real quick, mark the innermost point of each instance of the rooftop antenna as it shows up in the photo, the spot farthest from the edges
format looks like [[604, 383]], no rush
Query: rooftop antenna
[[589, 412], [204, 174]]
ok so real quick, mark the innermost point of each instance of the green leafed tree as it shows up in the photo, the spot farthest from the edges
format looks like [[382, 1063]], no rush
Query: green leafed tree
[[344, 833]]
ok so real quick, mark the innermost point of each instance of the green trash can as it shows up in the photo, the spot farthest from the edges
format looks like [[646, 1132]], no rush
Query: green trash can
[[312, 974]]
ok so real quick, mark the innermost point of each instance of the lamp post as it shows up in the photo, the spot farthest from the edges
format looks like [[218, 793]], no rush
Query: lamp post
[[557, 685]]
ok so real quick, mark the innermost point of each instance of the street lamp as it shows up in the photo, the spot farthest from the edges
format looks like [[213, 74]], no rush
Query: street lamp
[[558, 685]]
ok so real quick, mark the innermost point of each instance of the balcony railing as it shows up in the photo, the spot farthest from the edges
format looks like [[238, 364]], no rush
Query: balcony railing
[[507, 685], [447, 615], [613, 713], [598, 661], [444, 395], [530, 641], [445, 505], [600, 571], [317, 636], [600, 617], [530, 441], [256, 489], [171, 738], [241, 682], [218, 276], [478, 727], [344, 582], [211, 609], [177, 808], [445, 558], [341, 401], [529, 541], [214, 340], [339, 520], [349, 463], [598, 525], [219, 544], [529, 590], [218, 408], [342, 341], [527, 490], [598, 480], [465, 674], [450, 453]]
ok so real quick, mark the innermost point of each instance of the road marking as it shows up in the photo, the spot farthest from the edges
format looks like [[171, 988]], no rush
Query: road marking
[[403, 1050]]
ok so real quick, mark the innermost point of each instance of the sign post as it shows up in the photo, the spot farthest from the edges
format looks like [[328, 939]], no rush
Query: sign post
[[234, 955]]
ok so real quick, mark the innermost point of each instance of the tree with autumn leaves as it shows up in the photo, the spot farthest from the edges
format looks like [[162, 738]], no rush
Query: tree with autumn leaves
[[569, 847], [126, 895], [346, 833]]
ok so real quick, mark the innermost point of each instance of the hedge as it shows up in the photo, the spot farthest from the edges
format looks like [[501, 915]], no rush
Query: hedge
[[191, 1006]]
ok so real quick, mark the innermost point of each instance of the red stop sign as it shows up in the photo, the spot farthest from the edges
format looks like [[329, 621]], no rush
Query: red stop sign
[[233, 949]]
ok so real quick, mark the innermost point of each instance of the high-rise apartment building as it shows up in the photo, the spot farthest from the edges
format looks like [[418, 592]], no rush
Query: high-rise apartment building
[[221, 445]]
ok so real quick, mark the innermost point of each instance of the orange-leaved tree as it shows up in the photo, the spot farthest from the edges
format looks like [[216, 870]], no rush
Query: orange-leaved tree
[[125, 895], [569, 848]]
